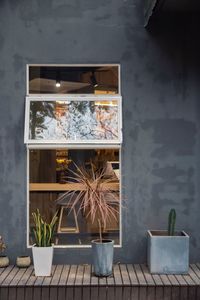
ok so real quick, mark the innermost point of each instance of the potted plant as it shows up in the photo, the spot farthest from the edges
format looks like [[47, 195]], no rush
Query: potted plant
[[168, 251], [4, 260], [23, 261], [43, 248], [99, 204]]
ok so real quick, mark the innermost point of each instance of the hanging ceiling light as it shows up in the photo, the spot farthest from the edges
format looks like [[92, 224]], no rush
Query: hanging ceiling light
[[58, 81], [93, 80]]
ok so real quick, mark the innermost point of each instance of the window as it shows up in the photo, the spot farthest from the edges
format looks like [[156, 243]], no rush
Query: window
[[66, 131], [73, 120]]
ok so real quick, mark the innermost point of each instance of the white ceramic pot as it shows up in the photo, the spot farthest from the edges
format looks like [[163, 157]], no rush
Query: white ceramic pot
[[42, 260]]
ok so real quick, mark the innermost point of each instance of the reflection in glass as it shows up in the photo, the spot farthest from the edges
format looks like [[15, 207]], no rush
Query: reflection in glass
[[73, 79], [73, 120], [52, 173]]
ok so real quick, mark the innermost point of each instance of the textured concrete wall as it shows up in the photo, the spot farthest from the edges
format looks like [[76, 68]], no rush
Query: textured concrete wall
[[161, 110]]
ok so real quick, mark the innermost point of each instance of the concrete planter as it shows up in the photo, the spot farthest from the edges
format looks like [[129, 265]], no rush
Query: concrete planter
[[23, 261], [102, 257], [4, 261], [168, 254], [42, 260]]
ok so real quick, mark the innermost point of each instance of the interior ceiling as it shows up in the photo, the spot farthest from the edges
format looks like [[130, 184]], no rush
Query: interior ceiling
[[72, 79]]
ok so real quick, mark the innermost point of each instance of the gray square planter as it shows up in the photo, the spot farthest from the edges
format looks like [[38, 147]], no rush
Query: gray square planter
[[168, 254]]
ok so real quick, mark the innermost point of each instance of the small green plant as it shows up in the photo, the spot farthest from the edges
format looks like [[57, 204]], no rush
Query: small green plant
[[43, 232], [2, 245], [171, 222]]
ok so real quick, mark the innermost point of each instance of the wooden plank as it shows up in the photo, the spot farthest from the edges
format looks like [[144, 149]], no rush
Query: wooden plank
[[165, 280], [72, 275], [12, 293], [140, 275], [167, 293], [189, 280], [57, 187], [132, 275], [2, 270], [4, 293], [14, 282], [117, 275], [17, 277], [126, 281], [134, 282], [78, 283], [157, 279], [194, 276], [10, 277], [192, 293], [110, 287], [198, 265], [148, 277], [62, 282], [183, 287], [22, 282], [87, 275], [118, 282], [175, 287], [191, 287], [70, 283], [5, 273], [3, 289], [142, 282], [29, 286], [181, 280], [45, 285], [124, 275], [86, 281], [196, 269], [94, 285], [102, 288], [134, 293], [184, 293], [151, 292], [64, 275], [159, 292], [54, 282], [111, 292]]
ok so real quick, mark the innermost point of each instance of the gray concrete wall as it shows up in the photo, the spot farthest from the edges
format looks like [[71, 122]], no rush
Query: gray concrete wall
[[161, 110]]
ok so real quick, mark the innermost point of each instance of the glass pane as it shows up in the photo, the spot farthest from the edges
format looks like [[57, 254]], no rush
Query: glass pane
[[73, 79], [73, 120], [56, 184]]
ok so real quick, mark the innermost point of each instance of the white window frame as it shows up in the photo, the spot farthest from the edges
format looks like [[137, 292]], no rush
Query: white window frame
[[51, 147], [71, 65], [72, 98], [38, 144]]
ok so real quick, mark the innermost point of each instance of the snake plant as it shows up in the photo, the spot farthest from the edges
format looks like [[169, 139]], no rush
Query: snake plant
[[43, 232]]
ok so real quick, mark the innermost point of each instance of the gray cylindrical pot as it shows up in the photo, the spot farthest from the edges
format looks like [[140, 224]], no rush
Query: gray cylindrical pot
[[102, 257]]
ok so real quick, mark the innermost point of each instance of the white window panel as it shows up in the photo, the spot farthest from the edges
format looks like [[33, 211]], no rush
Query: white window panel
[[73, 120]]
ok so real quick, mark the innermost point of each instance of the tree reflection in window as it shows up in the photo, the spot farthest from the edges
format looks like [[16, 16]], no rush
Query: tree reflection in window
[[74, 120]]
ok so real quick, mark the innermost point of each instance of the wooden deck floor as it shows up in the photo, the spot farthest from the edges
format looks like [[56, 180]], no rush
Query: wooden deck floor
[[76, 282]]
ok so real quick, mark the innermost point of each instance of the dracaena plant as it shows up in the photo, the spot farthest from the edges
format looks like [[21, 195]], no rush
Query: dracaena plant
[[2, 245], [96, 198], [43, 232]]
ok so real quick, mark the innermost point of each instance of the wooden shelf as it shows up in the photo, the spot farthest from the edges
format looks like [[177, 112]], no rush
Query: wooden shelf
[[58, 187]]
